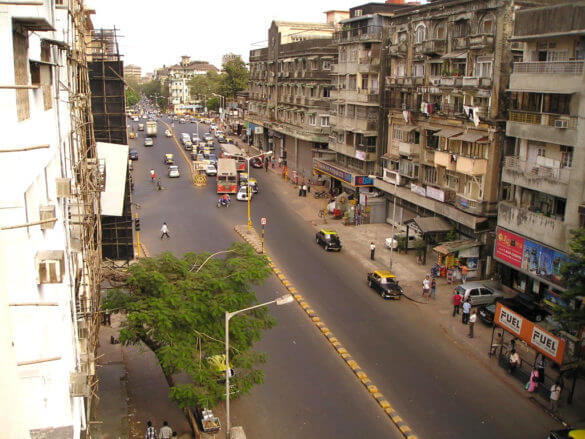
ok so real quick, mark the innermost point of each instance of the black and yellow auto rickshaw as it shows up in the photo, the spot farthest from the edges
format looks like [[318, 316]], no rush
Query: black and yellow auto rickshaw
[[328, 239], [168, 159]]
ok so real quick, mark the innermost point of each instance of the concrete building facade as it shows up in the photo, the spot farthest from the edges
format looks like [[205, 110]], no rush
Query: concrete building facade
[[543, 173], [133, 72], [289, 90], [49, 223]]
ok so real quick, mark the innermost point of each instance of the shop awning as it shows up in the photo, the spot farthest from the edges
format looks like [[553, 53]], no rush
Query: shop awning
[[429, 224], [473, 136], [446, 248], [312, 57], [455, 55], [448, 132]]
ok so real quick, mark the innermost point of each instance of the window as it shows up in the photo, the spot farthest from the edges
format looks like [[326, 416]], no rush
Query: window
[[400, 68], [357, 13], [418, 69], [432, 140], [507, 192], [452, 181], [326, 92], [430, 174], [420, 33], [402, 37], [312, 119], [483, 68], [314, 64], [487, 27], [435, 69], [364, 82], [326, 65], [461, 28], [352, 81], [324, 121], [440, 32], [341, 137], [566, 156]]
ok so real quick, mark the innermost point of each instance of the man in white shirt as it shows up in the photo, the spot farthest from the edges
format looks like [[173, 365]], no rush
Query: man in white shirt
[[165, 431], [472, 319], [164, 230], [555, 396], [372, 250]]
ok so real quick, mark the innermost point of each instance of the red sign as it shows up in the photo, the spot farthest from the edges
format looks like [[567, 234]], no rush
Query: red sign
[[263, 221], [543, 341], [509, 247]]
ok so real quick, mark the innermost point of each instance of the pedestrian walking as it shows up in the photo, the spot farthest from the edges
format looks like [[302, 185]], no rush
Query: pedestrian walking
[[266, 164], [434, 288], [372, 250], [165, 431], [555, 395], [456, 303], [305, 190], [300, 190], [472, 320], [309, 186], [150, 431], [540, 365], [164, 230], [158, 185], [464, 270], [513, 361], [532, 383], [466, 311], [426, 286]]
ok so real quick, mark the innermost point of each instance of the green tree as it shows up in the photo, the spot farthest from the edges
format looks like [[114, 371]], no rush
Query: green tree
[[213, 103], [203, 86], [176, 306], [132, 97], [572, 316], [235, 77]]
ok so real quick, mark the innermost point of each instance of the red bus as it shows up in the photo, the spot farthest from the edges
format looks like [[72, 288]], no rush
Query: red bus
[[227, 176], [228, 150]]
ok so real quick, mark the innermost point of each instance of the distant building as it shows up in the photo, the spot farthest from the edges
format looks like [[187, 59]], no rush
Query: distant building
[[229, 57], [133, 72]]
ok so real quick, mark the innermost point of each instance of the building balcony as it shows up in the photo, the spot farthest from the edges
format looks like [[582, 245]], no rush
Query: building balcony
[[399, 48], [360, 152], [430, 47], [552, 76], [362, 33], [543, 127], [354, 124], [451, 81], [460, 43], [445, 159], [358, 95], [317, 74], [473, 82], [407, 149], [368, 64], [532, 175], [471, 166], [481, 42], [428, 156], [475, 207], [549, 230]]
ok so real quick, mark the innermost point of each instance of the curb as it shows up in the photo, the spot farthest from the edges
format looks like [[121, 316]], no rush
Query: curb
[[253, 239]]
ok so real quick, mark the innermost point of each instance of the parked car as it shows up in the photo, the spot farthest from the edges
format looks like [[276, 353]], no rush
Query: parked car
[[385, 284], [133, 154], [174, 171], [519, 304], [148, 141], [393, 241], [478, 293], [328, 239], [210, 170], [168, 133], [242, 194]]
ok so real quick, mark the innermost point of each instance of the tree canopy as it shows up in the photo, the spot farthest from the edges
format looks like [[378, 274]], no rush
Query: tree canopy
[[155, 91], [235, 77], [176, 306], [572, 316]]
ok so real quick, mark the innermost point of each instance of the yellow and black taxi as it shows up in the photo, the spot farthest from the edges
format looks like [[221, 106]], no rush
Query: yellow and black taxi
[[168, 159], [385, 284], [328, 239], [569, 433]]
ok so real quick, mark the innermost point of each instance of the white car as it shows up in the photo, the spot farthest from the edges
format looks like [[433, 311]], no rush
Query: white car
[[148, 141], [243, 194], [218, 133], [393, 242], [174, 171], [168, 133], [210, 170]]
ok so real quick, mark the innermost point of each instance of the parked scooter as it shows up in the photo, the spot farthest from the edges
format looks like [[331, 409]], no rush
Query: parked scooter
[[320, 194]]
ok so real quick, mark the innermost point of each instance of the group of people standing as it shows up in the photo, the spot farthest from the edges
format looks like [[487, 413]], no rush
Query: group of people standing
[[468, 316], [165, 431]]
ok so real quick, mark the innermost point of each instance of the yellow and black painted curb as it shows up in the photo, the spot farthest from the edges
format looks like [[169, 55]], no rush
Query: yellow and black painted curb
[[253, 239]]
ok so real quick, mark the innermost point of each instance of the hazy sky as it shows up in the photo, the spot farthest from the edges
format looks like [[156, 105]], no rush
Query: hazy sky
[[154, 33]]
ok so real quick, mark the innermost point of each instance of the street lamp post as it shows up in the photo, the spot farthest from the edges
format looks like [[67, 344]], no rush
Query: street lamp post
[[282, 300], [248, 188]]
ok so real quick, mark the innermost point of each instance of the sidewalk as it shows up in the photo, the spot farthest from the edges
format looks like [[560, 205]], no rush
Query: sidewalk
[[356, 240]]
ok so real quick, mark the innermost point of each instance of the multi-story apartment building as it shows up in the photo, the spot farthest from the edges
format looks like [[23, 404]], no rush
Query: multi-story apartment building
[[133, 72], [356, 96], [543, 175], [229, 57], [289, 90], [50, 231], [444, 104]]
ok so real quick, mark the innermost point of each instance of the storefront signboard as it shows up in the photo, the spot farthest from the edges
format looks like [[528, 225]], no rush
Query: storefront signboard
[[258, 130], [363, 180], [418, 189], [435, 194], [333, 172], [360, 155], [528, 256], [543, 341]]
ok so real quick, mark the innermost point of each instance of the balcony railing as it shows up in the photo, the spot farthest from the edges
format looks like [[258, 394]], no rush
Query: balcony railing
[[481, 42], [548, 119], [470, 81], [452, 81], [546, 67], [471, 166], [362, 33], [433, 46], [460, 43], [534, 170], [395, 49]]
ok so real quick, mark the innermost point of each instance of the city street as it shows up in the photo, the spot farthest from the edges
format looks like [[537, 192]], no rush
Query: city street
[[308, 392]]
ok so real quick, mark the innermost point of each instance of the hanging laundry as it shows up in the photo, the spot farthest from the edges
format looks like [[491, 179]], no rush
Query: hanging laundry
[[405, 115], [422, 107], [466, 110], [476, 116]]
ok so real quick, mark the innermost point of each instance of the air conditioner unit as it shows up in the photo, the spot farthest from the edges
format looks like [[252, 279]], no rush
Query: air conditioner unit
[[50, 266], [63, 187], [47, 213], [561, 123]]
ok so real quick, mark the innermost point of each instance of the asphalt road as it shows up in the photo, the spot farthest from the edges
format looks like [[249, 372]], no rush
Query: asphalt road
[[307, 392], [438, 390]]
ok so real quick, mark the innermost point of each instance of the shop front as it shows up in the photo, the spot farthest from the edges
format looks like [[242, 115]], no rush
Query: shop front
[[341, 179], [452, 254]]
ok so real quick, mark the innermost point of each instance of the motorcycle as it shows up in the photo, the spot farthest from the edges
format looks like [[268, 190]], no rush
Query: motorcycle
[[320, 194], [223, 203]]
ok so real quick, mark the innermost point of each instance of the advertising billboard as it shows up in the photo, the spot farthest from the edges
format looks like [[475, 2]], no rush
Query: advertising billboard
[[543, 341], [529, 256]]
